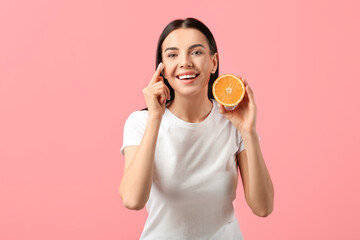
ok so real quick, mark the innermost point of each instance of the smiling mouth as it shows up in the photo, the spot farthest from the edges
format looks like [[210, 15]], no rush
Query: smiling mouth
[[184, 79]]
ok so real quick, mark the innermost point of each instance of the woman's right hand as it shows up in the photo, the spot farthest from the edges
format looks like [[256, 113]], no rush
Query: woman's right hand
[[156, 94]]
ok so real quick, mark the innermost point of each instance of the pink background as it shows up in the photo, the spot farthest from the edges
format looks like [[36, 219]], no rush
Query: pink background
[[72, 71]]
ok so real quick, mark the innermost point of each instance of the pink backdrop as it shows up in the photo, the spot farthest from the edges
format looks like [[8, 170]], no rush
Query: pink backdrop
[[72, 71]]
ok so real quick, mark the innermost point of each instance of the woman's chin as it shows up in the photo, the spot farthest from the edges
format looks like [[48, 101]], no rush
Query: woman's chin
[[189, 92]]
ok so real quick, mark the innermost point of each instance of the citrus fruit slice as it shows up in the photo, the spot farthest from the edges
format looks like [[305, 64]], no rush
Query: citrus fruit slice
[[228, 90]]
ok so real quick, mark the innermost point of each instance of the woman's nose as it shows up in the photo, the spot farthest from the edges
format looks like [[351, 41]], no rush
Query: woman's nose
[[186, 61]]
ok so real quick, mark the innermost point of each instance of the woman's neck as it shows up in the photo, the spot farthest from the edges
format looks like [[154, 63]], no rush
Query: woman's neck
[[193, 110]]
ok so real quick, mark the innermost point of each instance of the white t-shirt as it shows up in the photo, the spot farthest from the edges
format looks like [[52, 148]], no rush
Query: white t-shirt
[[195, 176]]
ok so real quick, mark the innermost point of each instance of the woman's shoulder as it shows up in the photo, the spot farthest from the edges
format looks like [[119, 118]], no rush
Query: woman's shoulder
[[142, 112], [138, 116]]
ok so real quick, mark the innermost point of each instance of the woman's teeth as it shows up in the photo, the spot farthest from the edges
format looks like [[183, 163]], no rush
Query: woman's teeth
[[186, 77]]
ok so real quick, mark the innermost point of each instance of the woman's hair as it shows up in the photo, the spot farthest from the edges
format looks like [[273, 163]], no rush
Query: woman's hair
[[187, 23]]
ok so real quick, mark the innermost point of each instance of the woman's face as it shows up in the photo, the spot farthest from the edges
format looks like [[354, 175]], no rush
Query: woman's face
[[187, 50]]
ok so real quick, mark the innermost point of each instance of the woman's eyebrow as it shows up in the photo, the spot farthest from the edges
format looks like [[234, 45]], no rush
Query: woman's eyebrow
[[192, 46]]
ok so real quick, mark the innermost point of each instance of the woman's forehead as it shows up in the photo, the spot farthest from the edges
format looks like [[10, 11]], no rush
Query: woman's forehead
[[183, 38]]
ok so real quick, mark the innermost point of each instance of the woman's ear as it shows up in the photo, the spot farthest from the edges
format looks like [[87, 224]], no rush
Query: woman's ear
[[215, 62]]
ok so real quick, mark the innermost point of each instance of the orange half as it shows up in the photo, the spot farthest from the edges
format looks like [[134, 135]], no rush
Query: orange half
[[228, 90]]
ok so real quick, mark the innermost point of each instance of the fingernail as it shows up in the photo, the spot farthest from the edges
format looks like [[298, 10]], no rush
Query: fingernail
[[161, 65]]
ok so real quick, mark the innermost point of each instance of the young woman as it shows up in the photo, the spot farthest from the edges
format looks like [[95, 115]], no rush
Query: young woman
[[182, 151]]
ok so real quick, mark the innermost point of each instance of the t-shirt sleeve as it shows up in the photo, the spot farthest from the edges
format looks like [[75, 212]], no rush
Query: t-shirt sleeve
[[240, 142], [134, 129]]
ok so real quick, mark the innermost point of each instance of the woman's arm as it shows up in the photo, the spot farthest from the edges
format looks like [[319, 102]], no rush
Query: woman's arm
[[136, 182], [258, 188]]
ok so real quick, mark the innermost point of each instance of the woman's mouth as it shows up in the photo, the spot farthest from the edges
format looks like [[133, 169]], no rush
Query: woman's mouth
[[188, 79]]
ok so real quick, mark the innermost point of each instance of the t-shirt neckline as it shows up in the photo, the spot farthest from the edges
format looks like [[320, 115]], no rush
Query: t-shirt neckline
[[209, 117]]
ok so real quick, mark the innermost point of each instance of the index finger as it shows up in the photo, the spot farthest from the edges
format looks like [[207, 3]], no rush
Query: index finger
[[157, 73]]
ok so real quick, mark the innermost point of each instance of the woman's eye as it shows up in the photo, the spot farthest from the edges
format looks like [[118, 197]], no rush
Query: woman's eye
[[197, 52]]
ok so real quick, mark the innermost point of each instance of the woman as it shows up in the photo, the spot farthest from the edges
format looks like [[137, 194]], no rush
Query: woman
[[183, 150]]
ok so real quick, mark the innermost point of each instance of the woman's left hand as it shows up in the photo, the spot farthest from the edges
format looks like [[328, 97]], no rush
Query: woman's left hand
[[243, 117]]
